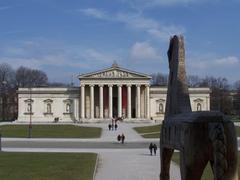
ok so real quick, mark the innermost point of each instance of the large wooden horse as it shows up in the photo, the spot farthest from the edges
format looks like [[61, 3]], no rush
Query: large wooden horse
[[201, 137]]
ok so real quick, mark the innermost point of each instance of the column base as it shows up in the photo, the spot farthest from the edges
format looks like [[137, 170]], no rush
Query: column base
[[109, 120]]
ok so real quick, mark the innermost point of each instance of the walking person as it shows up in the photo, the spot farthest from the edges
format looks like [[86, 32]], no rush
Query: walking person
[[155, 149], [119, 138], [109, 126], [151, 148], [122, 138], [116, 126]]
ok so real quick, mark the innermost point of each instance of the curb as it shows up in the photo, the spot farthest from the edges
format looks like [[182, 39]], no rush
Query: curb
[[95, 169]]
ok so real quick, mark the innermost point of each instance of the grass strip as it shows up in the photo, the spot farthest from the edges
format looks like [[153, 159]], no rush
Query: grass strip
[[47, 166], [50, 131]]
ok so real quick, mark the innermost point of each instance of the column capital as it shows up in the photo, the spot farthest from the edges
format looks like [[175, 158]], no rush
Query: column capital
[[91, 85], [138, 85], [110, 85], [129, 85], [82, 85], [100, 85], [147, 85], [119, 85]]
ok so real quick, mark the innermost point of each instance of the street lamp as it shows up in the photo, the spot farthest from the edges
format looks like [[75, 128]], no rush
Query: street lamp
[[30, 114]]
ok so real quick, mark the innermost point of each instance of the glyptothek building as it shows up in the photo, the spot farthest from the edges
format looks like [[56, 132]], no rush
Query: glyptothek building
[[101, 96]]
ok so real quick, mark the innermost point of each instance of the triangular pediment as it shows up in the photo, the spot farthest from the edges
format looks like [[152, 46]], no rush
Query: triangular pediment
[[198, 100], [114, 72]]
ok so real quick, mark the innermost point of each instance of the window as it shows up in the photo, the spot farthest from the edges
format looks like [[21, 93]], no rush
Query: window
[[49, 108], [160, 108], [199, 107]]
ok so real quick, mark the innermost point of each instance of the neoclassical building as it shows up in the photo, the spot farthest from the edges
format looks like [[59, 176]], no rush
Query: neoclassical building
[[102, 95]]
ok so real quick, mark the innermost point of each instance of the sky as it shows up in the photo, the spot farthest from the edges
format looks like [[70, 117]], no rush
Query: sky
[[66, 38]]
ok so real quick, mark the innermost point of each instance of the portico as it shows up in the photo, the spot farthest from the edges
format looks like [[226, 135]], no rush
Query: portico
[[114, 92]]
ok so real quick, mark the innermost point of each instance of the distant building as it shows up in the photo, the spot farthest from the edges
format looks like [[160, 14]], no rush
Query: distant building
[[102, 95]]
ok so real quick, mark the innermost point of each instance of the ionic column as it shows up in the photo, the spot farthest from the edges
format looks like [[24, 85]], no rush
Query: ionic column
[[110, 101], [92, 101], [129, 110], [76, 109], [138, 101], [119, 100], [82, 101], [147, 102], [101, 100]]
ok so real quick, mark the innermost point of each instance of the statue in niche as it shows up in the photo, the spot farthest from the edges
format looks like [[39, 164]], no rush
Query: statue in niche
[[201, 137], [49, 109], [68, 108], [29, 108]]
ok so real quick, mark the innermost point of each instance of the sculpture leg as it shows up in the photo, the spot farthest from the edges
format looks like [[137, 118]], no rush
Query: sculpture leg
[[192, 165], [232, 152], [166, 155]]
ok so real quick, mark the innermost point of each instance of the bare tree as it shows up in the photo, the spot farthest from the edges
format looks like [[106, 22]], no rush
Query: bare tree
[[7, 85], [236, 97], [27, 77], [7, 75], [194, 81], [220, 94], [57, 84], [159, 79]]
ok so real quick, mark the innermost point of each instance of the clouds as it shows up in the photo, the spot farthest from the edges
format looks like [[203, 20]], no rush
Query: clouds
[[51, 56], [211, 61], [152, 3], [137, 22], [212, 64], [165, 3], [143, 51], [227, 61], [93, 13]]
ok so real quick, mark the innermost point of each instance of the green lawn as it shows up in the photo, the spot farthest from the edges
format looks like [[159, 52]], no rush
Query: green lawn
[[207, 174], [235, 118], [51, 131], [237, 130], [47, 166], [149, 131]]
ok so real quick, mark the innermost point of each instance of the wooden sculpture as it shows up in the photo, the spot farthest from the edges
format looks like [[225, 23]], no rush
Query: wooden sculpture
[[201, 137]]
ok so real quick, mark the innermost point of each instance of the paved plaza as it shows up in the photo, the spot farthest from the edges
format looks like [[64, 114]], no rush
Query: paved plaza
[[128, 161]]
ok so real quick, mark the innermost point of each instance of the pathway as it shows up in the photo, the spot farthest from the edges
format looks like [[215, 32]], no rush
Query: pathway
[[130, 161], [129, 164]]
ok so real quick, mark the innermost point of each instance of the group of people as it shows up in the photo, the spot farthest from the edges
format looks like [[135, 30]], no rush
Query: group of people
[[121, 138], [153, 149], [112, 126]]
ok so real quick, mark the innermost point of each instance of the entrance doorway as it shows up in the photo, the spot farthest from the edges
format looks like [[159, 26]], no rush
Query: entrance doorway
[[115, 107]]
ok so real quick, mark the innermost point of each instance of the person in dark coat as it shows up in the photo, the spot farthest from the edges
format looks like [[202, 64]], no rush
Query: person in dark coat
[[109, 126], [119, 138], [116, 126], [151, 148], [155, 149], [123, 138]]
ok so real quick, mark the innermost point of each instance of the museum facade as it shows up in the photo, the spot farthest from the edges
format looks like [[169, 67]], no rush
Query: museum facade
[[101, 96]]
